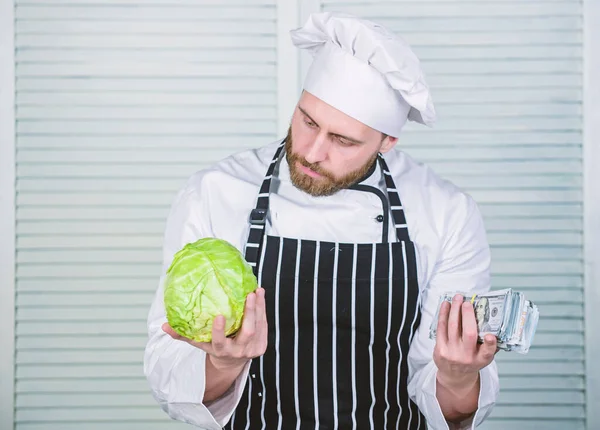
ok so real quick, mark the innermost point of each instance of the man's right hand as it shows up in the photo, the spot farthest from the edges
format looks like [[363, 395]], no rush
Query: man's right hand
[[227, 356]]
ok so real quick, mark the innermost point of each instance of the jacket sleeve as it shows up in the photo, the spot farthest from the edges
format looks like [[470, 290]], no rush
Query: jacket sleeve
[[463, 264], [174, 369]]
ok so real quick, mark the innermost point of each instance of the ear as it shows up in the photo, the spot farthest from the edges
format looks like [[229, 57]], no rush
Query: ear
[[388, 143]]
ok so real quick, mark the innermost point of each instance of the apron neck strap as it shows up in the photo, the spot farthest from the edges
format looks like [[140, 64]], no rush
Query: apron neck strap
[[258, 216], [395, 203]]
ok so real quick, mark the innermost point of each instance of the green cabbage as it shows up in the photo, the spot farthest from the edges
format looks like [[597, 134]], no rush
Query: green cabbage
[[207, 278]]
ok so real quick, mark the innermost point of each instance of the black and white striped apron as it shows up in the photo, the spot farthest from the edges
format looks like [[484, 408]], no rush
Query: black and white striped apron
[[341, 319]]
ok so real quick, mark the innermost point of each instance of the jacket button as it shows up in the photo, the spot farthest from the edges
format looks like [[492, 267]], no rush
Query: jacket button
[[379, 218]]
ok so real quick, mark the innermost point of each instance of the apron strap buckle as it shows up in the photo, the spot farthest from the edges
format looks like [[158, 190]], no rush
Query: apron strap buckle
[[258, 216]]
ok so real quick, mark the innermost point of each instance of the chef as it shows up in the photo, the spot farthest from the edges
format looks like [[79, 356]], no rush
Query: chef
[[352, 243]]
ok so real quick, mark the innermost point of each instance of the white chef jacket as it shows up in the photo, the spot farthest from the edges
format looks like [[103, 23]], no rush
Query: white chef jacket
[[443, 222]]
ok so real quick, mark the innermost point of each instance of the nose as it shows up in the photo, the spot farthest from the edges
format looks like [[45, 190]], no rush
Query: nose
[[318, 150]]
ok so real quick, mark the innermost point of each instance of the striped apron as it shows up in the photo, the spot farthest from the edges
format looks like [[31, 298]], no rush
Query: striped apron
[[341, 319]]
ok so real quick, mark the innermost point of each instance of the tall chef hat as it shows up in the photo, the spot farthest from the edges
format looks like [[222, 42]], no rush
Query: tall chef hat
[[365, 71]]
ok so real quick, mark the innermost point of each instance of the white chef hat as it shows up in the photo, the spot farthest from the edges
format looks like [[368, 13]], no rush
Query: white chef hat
[[365, 71]]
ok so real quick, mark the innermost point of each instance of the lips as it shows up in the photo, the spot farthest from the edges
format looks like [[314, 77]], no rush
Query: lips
[[308, 171]]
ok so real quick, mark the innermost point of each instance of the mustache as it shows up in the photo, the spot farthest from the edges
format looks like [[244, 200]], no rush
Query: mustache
[[313, 166]]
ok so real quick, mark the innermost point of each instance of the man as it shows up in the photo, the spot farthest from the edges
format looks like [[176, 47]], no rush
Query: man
[[352, 243]]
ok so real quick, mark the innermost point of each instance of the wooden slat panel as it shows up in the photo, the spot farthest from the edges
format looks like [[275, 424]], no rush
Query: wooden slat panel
[[556, 368], [386, 3], [148, 112], [541, 353], [133, 127], [403, 24], [140, 242], [99, 214], [83, 400], [118, 312], [77, 371], [534, 397], [576, 412], [122, 355], [107, 327], [50, 343], [211, 28], [148, 412], [505, 9], [141, 424], [544, 382], [495, 210], [545, 423], [141, 98], [531, 84], [97, 86], [145, 284], [514, 91], [85, 298], [101, 385], [108, 256], [154, 13], [205, 3], [26, 230], [540, 281], [137, 41]]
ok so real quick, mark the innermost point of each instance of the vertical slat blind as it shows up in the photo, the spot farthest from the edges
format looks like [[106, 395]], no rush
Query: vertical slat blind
[[506, 78], [118, 101]]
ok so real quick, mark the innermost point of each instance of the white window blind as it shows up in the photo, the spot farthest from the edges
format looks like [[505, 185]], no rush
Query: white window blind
[[506, 78], [118, 102]]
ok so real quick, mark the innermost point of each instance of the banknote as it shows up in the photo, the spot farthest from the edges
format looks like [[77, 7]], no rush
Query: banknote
[[506, 314]]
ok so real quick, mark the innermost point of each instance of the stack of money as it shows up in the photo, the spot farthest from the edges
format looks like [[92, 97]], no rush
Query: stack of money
[[506, 314]]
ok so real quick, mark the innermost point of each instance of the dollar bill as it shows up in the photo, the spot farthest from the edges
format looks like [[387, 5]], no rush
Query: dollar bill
[[506, 314]]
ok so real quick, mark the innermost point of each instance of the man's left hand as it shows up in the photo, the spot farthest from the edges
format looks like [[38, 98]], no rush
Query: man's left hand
[[457, 354]]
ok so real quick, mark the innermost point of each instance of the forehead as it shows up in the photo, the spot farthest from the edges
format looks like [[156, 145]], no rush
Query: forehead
[[328, 116]]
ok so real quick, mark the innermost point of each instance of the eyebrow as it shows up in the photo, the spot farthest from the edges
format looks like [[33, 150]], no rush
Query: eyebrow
[[351, 139]]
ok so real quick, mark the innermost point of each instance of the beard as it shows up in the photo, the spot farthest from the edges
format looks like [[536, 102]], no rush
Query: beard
[[327, 184]]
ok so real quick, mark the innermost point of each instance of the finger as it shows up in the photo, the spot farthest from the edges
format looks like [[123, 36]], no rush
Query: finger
[[470, 331], [454, 320], [261, 314], [442, 326], [249, 321], [487, 350], [262, 329], [219, 340]]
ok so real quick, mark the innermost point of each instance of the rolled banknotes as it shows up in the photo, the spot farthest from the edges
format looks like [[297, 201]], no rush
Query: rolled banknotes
[[506, 314]]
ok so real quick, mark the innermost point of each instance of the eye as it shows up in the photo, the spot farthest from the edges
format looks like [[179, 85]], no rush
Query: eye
[[310, 123], [344, 142]]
